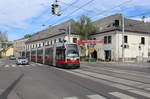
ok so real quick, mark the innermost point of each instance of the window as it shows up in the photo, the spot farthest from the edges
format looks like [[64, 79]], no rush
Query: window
[[125, 39], [59, 39], [109, 39], [74, 40], [55, 41], [43, 43], [39, 45], [116, 23], [47, 42], [94, 38], [51, 42], [142, 40], [105, 39]]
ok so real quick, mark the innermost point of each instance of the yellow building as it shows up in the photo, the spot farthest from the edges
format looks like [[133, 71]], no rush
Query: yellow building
[[7, 52]]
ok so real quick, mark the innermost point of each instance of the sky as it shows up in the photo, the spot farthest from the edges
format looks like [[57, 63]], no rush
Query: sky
[[21, 17]]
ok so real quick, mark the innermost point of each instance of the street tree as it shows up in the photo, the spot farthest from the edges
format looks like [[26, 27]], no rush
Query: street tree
[[27, 35], [84, 27]]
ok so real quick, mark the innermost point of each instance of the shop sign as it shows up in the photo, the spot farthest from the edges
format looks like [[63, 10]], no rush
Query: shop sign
[[107, 47], [82, 42]]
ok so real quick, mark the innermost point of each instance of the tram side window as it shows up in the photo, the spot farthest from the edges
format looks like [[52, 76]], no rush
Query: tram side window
[[60, 53]]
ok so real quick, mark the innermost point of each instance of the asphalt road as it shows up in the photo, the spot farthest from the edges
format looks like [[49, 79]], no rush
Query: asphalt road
[[91, 81]]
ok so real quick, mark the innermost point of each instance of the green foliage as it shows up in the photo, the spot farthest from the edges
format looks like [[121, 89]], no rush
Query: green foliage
[[85, 27], [27, 36]]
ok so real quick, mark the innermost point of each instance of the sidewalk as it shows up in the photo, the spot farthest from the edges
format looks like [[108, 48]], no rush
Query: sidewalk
[[8, 80], [127, 64]]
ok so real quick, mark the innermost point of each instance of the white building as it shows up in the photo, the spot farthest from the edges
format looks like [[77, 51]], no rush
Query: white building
[[136, 38], [53, 34]]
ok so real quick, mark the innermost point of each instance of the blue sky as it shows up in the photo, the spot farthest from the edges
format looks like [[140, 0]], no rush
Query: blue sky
[[20, 17]]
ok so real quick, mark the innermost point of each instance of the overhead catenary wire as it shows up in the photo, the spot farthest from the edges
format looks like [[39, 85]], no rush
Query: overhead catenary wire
[[109, 9], [101, 13], [73, 11]]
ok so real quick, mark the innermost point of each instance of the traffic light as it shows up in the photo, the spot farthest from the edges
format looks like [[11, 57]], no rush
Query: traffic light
[[55, 9]]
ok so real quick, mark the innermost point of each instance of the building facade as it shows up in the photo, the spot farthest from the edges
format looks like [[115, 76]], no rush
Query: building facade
[[58, 33], [19, 45], [135, 38], [131, 45]]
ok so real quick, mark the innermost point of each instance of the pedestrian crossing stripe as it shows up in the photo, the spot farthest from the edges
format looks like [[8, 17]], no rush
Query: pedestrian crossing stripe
[[7, 66], [20, 66], [71, 98], [121, 95], [96, 97], [13, 65]]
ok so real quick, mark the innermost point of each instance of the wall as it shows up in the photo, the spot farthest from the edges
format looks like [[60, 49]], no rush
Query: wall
[[10, 51], [134, 40]]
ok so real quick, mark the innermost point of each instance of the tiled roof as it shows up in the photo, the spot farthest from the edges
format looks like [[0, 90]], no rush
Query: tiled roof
[[130, 25], [53, 30], [104, 25]]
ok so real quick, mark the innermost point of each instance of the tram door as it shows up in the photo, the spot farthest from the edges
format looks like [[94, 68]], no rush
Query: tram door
[[108, 55]]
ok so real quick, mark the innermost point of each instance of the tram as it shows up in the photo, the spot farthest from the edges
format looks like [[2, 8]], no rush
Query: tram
[[61, 54]]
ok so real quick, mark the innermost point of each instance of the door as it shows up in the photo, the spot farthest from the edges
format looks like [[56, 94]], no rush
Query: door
[[108, 55]]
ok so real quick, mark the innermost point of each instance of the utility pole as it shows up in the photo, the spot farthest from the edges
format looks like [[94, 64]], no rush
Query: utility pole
[[122, 38], [69, 32]]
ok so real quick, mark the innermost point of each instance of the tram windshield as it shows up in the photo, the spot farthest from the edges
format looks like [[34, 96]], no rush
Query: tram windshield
[[72, 50]]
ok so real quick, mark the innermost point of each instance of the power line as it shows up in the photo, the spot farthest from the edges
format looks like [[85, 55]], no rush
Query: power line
[[74, 11], [78, 7], [112, 8], [145, 13], [63, 9]]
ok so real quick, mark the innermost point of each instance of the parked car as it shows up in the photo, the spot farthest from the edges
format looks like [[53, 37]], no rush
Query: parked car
[[22, 61], [12, 57]]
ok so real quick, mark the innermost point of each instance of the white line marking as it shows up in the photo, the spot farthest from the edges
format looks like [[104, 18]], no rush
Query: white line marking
[[20, 66], [121, 95], [13, 65], [71, 98], [96, 97], [120, 86], [140, 93], [6, 65]]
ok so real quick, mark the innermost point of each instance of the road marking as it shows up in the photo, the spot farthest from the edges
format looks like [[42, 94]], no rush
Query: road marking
[[13, 65], [120, 86], [96, 97], [27, 65], [6, 65], [20, 66], [111, 78], [140, 93], [71, 98], [121, 95]]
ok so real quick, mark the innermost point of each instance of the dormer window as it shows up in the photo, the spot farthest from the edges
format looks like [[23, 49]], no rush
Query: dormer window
[[116, 23]]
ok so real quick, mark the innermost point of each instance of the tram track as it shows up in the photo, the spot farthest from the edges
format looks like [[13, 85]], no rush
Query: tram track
[[118, 71]]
